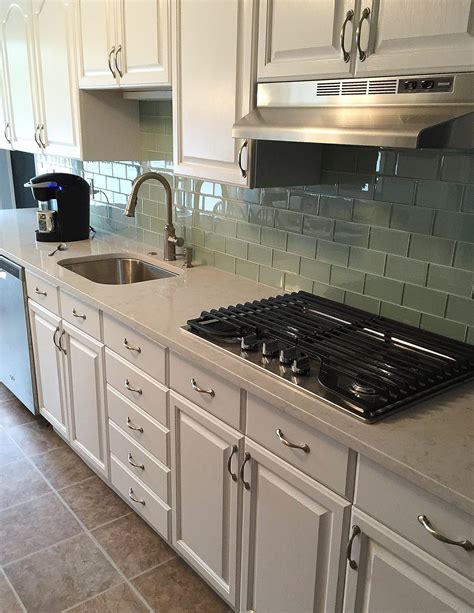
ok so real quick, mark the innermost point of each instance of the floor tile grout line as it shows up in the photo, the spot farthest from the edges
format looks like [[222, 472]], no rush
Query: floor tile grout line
[[78, 604], [85, 529], [43, 549], [18, 504], [15, 593], [110, 521], [66, 487], [144, 572]]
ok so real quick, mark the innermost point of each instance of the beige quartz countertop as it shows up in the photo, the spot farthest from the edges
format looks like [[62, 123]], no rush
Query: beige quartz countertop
[[429, 444]]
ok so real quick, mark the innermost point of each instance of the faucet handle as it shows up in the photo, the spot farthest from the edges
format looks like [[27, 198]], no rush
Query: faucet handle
[[188, 257]]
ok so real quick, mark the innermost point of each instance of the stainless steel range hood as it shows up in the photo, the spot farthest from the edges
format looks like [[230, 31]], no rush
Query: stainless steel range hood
[[421, 111]]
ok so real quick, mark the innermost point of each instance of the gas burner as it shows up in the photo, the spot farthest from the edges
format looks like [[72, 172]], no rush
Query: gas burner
[[367, 365], [361, 389]]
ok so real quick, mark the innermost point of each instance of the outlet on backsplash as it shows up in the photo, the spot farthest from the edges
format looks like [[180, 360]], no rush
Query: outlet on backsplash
[[388, 231]]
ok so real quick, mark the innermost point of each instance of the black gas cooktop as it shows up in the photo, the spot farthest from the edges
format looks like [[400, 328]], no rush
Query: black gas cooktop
[[367, 365]]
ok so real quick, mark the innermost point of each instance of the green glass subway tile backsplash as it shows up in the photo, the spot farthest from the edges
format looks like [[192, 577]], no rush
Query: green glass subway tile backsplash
[[387, 231]]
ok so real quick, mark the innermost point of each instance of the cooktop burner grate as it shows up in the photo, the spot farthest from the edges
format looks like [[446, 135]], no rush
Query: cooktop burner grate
[[366, 364]]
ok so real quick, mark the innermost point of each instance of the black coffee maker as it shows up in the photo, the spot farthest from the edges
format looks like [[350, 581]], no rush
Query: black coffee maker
[[63, 207]]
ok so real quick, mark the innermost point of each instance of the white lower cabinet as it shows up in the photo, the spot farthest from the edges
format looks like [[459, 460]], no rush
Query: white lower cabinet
[[205, 494], [388, 574], [84, 358], [293, 533], [45, 334]]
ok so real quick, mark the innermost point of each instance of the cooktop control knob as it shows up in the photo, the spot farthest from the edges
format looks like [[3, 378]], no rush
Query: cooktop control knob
[[270, 348], [301, 365], [249, 342], [287, 355]]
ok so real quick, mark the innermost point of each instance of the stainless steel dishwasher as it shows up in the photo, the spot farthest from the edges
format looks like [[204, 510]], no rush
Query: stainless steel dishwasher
[[16, 359]]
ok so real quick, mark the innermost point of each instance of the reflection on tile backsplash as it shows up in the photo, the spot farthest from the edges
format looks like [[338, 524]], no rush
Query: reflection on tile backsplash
[[388, 231]]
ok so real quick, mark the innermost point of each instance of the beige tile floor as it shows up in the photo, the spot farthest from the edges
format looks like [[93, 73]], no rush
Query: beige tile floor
[[68, 543]]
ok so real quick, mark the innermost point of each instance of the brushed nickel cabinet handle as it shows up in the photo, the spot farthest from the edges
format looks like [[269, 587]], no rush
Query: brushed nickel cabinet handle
[[54, 339], [200, 390], [37, 136], [132, 497], [127, 345], [117, 51], [133, 463], [465, 544], [304, 447], [352, 563], [132, 427], [242, 170], [76, 314], [41, 140], [40, 292], [362, 52], [346, 56], [137, 390], [247, 457], [7, 128], [109, 61], [63, 333], [229, 462]]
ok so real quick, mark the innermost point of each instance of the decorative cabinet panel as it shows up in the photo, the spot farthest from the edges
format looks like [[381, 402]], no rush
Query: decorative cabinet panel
[[302, 38], [84, 359], [320, 39], [406, 36], [293, 530], [123, 43], [212, 86], [46, 333], [205, 504], [389, 574], [20, 75]]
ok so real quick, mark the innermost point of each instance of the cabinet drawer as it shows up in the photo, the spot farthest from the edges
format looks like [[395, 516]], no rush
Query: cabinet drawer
[[397, 503], [42, 292], [224, 399], [122, 376], [139, 462], [327, 461], [80, 314], [139, 350], [138, 425], [151, 508]]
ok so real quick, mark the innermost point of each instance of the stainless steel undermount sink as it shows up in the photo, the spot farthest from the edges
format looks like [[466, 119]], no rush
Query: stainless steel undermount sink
[[114, 269]]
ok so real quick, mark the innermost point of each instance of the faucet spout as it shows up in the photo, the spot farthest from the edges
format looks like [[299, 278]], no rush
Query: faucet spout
[[171, 241]]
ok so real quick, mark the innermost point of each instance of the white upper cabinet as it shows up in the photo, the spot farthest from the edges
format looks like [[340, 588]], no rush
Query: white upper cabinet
[[5, 131], [95, 23], [57, 97], [123, 43], [412, 36], [302, 38], [212, 85], [19, 75], [143, 53]]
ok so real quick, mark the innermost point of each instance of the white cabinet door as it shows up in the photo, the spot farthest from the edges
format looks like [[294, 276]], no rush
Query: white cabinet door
[[4, 121], [96, 27], [19, 77], [408, 36], [392, 575], [301, 39], [205, 494], [212, 85], [143, 52], [45, 334], [293, 530], [86, 383], [57, 84]]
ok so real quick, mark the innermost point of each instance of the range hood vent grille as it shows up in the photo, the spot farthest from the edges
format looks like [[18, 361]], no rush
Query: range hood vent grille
[[355, 87], [328, 88], [388, 86]]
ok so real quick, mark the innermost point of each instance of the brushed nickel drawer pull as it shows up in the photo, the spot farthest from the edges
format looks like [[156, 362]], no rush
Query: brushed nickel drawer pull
[[465, 544], [352, 563], [40, 292], [76, 314], [247, 457], [200, 390], [229, 462], [132, 497], [133, 463], [243, 172], [127, 345], [117, 51], [304, 447], [362, 52], [136, 428], [54, 338], [60, 342], [137, 390], [346, 56], [109, 61]]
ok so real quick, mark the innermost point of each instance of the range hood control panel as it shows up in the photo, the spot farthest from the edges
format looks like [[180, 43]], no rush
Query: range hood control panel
[[430, 83]]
